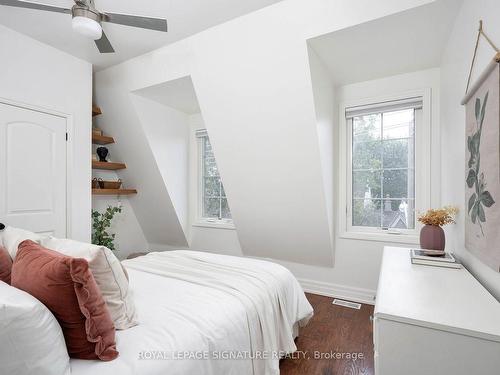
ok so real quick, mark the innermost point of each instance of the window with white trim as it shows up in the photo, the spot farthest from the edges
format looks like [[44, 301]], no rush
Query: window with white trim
[[212, 206], [381, 165]]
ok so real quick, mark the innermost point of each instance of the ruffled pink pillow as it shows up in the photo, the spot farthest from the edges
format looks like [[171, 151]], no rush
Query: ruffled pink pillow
[[5, 265], [67, 287]]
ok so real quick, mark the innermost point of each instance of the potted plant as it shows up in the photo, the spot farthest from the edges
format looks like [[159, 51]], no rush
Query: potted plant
[[100, 224], [432, 234]]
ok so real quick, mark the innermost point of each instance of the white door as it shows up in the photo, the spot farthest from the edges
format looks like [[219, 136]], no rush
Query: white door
[[32, 170]]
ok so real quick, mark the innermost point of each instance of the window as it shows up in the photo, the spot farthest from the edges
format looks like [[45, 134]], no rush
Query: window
[[381, 166], [213, 205]]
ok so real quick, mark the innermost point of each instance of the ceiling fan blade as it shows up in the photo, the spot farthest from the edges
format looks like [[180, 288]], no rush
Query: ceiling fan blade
[[158, 24], [31, 5], [103, 44]]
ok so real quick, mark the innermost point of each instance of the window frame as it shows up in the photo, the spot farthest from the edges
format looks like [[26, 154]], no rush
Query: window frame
[[422, 170], [202, 221]]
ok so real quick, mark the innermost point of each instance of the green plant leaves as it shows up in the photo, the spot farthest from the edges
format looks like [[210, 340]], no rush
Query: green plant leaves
[[473, 146], [477, 212], [474, 212], [481, 198], [480, 213], [472, 200], [100, 223], [486, 199], [471, 178], [478, 108]]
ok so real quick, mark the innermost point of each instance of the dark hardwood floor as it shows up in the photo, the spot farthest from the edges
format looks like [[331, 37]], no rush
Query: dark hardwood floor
[[333, 329]]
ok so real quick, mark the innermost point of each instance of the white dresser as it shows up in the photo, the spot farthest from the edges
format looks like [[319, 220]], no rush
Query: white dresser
[[431, 320]]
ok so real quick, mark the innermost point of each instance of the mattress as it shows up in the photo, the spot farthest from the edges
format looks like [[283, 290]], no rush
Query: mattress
[[199, 313]]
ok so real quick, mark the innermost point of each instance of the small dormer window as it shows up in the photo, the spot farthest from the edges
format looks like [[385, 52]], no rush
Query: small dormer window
[[213, 204]]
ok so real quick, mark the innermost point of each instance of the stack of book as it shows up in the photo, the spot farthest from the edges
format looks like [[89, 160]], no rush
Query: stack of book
[[437, 259]]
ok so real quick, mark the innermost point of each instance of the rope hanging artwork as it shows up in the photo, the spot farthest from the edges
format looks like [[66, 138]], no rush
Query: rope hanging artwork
[[480, 33], [482, 161]]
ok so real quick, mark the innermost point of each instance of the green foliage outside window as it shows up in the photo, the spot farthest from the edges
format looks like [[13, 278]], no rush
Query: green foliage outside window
[[382, 164]]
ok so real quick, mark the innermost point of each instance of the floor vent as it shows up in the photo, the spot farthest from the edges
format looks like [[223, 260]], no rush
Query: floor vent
[[351, 305]]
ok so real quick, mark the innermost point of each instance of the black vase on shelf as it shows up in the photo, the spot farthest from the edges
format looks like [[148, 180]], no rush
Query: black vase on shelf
[[102, 152]]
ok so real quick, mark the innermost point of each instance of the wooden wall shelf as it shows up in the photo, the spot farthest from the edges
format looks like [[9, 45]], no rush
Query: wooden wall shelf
[[106, 140], [113, 191], [102, 139], [107, 165]]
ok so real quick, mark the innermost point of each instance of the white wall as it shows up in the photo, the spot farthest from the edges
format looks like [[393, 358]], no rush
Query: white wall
[[203, 238], [454, 71], [324, 109], [357, 262], [167, 131], [129, 236], [254, 88], [126, 117], [355, 273], [36, 74]]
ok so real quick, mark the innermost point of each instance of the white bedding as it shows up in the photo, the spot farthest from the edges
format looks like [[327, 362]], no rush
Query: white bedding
[[206, 305]]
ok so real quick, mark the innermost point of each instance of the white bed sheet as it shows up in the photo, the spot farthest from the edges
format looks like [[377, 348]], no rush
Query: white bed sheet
[[179, 319]]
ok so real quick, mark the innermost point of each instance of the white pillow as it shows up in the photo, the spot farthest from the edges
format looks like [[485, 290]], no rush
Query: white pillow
[[31, 339], [11, 238], [109, 275]]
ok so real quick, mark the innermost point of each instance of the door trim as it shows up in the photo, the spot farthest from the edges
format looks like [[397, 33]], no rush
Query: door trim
[[69, 152]]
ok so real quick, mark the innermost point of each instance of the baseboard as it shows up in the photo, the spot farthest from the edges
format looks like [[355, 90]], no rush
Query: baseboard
[[349, 293]]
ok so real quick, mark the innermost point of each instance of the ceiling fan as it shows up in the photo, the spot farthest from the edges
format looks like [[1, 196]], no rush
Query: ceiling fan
[[87, 20]]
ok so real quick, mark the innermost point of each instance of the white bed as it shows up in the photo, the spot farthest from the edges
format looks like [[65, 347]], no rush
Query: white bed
[[206, 305]]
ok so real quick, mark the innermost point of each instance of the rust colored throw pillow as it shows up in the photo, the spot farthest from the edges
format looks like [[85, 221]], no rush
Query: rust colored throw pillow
[[5, 265], [66, 286]]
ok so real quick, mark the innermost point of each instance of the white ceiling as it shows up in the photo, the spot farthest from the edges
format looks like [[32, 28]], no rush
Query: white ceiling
[[184, 17], [178, 94], [401, 43]]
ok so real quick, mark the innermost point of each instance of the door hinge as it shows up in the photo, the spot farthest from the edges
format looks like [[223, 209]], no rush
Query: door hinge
[[67, 136]]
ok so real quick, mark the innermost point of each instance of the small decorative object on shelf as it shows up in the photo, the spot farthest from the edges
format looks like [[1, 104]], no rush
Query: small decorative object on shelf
[[95, 183], [101, 222], [432, 234], [102, 152], [96, 110], [110, 184], [2, 226]]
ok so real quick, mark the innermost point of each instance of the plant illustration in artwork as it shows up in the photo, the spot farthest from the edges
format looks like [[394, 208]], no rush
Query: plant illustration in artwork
[[101, 222], [480, 198]]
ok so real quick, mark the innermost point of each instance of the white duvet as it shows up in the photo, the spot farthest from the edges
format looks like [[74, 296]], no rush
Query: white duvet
[[202, 313]]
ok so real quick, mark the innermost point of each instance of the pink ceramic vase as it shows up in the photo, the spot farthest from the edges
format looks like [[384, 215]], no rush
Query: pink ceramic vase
[[432, 237]]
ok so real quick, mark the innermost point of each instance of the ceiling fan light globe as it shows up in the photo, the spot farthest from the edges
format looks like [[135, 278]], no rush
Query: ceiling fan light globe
[[87, 27]]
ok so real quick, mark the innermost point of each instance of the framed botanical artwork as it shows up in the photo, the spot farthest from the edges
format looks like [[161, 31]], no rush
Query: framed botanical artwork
[[482, 167]]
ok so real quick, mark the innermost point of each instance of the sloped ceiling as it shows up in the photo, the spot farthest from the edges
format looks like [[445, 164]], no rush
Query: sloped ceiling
[[178, 94], [405, 42], [185, 18], [252, 80]]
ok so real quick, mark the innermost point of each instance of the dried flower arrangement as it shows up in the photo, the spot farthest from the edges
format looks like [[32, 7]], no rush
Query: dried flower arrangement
[[439, 217]]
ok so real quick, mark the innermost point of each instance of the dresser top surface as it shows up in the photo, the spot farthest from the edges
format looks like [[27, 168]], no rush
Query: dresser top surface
[[435, 297]]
